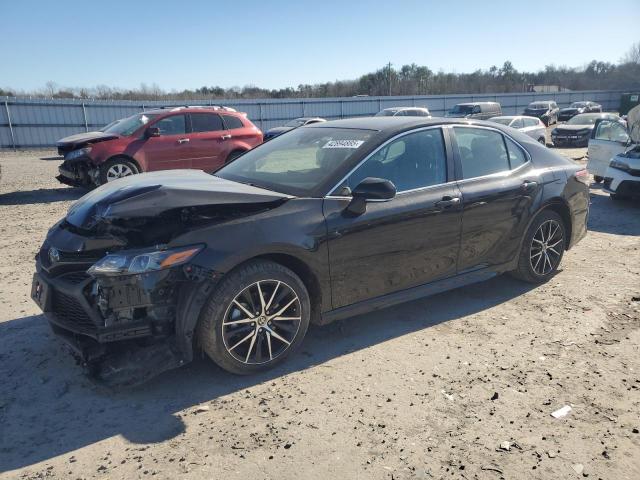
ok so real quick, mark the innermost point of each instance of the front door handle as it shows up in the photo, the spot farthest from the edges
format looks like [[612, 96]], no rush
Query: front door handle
[[225, 137], [529, 185], [183, 140], [448, 201]]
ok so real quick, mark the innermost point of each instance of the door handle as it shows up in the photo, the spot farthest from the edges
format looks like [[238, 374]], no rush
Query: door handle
[[225, 137], [529, 185], [183, 140], [448, 201]]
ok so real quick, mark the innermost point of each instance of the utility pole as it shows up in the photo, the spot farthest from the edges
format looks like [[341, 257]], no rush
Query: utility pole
[[389, 76]]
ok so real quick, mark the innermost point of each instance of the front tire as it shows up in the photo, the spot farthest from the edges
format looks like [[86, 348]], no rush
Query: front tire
[[116, 168], [542, 248], [256, 317]]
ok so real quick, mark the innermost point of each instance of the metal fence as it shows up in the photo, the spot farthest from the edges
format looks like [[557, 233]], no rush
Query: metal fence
[[27, 122]]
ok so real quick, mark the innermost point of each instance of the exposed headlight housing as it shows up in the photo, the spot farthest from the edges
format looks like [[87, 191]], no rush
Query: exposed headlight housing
[[75, 154], [619, 165], [132, 263]]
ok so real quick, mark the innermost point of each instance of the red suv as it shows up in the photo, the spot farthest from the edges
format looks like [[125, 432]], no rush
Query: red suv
[[203, 138]]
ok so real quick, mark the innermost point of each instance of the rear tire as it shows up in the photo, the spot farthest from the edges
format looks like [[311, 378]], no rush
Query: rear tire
[[542, 248], [242, 334], [115, 168]]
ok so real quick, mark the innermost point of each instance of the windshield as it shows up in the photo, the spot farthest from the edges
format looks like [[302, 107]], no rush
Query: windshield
[[462, 109], [386, 113], [538, 106], [127, 126], [584, 119], [295, 123], [502, 121], [578, 105], [298, 161]]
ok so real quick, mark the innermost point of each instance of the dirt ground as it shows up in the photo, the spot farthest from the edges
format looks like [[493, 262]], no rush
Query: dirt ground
[[430, 389]]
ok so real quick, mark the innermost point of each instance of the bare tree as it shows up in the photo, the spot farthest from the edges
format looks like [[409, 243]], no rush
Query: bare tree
[[632, 55]]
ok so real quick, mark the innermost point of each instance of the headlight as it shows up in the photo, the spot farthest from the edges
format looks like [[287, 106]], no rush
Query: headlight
[[620, 165], [129, 263], [81, 152]]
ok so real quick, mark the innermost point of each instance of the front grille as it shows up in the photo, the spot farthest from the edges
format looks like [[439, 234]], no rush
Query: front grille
[[74, 278], [68, 310]]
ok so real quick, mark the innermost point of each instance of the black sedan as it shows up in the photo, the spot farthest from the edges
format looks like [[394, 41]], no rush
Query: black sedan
[[576, 132], [287, 127], [576, 108], [322, 223]]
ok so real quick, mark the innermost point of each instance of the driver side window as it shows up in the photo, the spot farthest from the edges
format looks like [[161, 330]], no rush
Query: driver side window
[[611, 131], [412, 161], [172, 125]]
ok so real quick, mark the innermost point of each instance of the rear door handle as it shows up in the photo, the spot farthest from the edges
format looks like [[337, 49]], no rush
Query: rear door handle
[[448, 201], [225, 137], [183, 140]]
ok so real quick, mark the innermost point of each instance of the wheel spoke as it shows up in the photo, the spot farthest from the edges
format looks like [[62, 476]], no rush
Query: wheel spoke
[[237, 322], [285, 318], [253, 341], [537, 263], [283, 309], [266, 309], [241, 307], [553, 250], [269, 345], [275, 335], [262, 303], [554, 244], [243, 340]]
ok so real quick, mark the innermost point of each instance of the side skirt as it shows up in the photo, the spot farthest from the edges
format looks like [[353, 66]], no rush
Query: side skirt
[[413, 293]]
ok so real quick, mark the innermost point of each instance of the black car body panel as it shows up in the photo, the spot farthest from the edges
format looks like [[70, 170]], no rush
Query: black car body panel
[[572, 135], [418, 243]]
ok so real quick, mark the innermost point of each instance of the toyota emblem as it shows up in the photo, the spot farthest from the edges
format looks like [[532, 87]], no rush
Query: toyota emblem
[[54, 255]]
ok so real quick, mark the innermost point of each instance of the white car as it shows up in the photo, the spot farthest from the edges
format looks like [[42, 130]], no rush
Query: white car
[[531, 126], [614, 155], [404, 112]]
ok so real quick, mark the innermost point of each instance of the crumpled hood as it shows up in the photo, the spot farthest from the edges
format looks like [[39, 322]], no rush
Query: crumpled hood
[[80, 139], [150, 194]]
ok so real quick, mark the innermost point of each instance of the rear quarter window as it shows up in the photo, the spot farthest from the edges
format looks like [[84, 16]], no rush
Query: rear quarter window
[[205, 122], [231, 122]]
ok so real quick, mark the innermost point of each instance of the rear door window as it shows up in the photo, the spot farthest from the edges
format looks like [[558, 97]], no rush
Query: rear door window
[[205, 122], [481, 151], [530, 122], [172, 125], [517, 123], [231, 122]]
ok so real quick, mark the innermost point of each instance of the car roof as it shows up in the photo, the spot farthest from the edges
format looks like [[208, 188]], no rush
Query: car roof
[[192, 109], [513, 117], [478, 103], [393, 125], [397, 109]]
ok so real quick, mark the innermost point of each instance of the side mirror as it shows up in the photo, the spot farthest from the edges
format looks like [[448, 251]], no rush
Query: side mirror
[[152, 132], [370, 189]]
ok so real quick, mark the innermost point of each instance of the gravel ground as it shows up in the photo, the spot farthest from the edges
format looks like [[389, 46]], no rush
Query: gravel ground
[[459, 385]]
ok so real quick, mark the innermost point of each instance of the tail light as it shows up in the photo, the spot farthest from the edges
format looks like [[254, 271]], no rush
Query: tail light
[[582, 176]]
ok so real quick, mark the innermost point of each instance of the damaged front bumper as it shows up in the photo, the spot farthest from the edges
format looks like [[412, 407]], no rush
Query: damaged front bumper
[[122, 329], [77, 173]]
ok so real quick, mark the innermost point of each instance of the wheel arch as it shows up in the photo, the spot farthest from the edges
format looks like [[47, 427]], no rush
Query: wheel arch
[[560, 206], [192, 300]]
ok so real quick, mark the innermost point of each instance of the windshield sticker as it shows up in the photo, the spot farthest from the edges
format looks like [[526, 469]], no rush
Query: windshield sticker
[[144, 119], [343, 144]]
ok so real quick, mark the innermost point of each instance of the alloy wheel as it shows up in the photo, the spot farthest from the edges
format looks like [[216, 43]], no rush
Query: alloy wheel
[[118, 170], [546, 250], [261, 322]]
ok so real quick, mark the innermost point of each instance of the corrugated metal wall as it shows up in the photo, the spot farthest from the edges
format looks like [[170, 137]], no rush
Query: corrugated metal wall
[[41, 122]]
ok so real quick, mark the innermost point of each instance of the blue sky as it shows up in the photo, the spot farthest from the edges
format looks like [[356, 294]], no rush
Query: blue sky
[[273, 44]]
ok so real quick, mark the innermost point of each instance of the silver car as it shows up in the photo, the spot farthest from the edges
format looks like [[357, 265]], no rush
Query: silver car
[[531, 126], [404, 112]]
